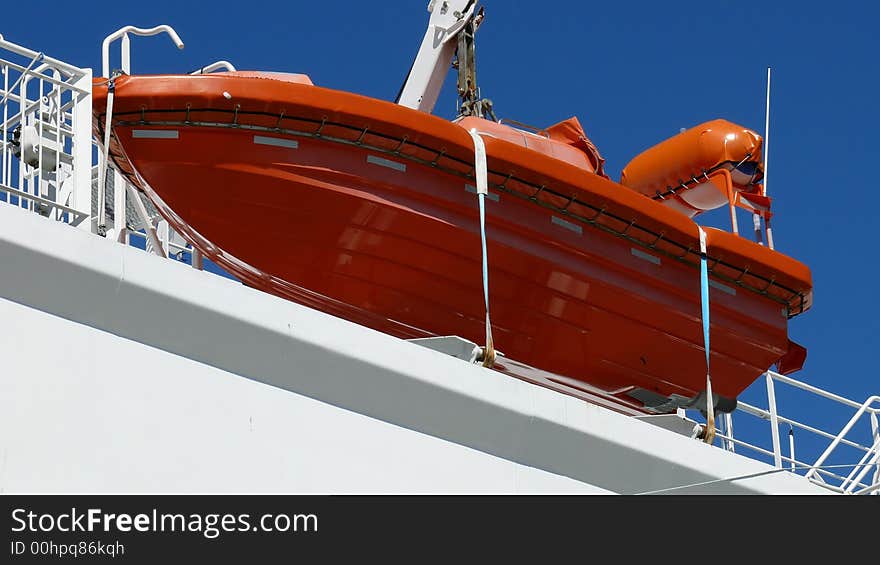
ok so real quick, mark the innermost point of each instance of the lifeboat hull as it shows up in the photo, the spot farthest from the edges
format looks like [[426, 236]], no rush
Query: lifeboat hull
[[389, 239]]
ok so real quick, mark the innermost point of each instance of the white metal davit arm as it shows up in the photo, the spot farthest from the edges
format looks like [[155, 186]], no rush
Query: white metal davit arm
[[425, 79], [126, 46], [215, 66], [126, 68]]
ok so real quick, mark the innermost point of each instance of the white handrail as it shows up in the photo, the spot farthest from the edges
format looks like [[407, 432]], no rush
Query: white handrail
[[815, 390], [123, 33], [774, 422], [37, 57], [25, 52], [213, 67]]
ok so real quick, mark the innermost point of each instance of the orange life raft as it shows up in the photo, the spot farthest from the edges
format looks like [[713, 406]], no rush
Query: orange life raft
[[701, 169]]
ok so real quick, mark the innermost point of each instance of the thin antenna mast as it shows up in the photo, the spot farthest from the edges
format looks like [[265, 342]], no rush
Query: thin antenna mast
[[767, 159], [767, 134]]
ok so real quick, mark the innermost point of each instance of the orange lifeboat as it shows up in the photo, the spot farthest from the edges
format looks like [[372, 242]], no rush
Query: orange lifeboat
[[703, 168], [364, 209]]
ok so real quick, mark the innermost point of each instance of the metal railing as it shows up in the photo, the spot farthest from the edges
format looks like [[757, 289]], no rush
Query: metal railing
[[48, 164], [45, 135], [849, 461], [137, 223]]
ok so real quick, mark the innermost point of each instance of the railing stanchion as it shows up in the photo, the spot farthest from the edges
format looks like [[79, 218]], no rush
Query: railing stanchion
[[875, 435], [197, 260], [728, 431], [118, 184], [774, 422]]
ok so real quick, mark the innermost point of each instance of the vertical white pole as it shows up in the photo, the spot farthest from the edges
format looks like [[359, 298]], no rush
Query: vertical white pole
[[774, 422], [756, 222], [791, 447], [82, 149], [728, 428], [5, 133], [38, 176], [22, 120], [164, 234], [767, 157], [126, 54], [875, 434], [767, 135], [118, 206], [197, 260]]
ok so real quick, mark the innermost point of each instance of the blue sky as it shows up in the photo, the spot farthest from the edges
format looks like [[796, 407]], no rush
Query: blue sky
[[633, 72]]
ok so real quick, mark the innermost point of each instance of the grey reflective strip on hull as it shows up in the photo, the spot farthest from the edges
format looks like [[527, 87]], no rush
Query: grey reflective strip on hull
[[276, 141], [646, 256], [723, 287], [155, 134], [566, 224], [386, 163]]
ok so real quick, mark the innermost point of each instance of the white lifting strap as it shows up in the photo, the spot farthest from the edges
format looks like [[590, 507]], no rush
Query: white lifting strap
[[482, 181], [704, 301]]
